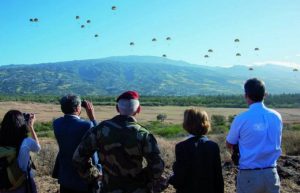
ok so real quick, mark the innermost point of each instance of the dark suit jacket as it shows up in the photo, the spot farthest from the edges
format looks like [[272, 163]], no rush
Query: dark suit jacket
[[197, 168], [68, 131]]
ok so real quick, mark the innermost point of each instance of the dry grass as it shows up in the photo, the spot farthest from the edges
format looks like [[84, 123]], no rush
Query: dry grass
[[45, 159], [46, 112]]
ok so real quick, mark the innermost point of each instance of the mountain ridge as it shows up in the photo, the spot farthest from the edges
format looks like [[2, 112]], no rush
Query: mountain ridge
[[149, 75]]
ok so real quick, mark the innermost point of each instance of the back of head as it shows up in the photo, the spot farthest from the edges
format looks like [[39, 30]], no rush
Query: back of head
[[69, 103], [255, 89], [128, 103], [13, 129], [196, 122]]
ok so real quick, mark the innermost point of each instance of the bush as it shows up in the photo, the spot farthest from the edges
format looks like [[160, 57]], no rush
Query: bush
[[165, 129], [218, 120], [161, 117]]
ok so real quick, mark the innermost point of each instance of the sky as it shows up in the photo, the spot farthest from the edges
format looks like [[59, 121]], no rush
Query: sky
[[193, 25]]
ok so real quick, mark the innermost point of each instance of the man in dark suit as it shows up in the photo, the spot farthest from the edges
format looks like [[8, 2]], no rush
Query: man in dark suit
[[68, 131]]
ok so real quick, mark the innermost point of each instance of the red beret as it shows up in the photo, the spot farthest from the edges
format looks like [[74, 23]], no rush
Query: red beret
[[129, 95]]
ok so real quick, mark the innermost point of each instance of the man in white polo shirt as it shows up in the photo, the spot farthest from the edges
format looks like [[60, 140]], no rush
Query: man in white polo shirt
[[258, 133]]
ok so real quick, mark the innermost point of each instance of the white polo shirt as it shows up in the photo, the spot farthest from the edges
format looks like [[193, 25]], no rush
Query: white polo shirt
[[258, 132]]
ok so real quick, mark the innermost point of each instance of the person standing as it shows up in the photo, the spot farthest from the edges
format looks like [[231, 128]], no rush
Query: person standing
[[15, 141], [258, 133], [68, 131], [198, 164], [123, 145]]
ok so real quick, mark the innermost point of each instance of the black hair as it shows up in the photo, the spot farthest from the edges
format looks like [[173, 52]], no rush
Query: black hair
[[255, 89], [13, 129], [69, 103]]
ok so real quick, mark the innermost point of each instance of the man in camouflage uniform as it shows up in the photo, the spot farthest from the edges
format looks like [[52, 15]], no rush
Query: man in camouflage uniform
[[123, 145]]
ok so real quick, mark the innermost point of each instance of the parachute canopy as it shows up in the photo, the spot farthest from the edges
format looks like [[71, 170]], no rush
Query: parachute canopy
[[164, 55], [250, 69], [77, 17], [88, 21], [96, 35], [34, 20], [238, 54], [256, 49], [295, 70], [131, 43], [206, 56], [82, 26], [210, 50], [168, 38], [237, 40], [113, 8], [154, 39]]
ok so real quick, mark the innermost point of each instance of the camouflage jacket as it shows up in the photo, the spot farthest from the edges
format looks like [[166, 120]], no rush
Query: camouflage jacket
[[123, 145]]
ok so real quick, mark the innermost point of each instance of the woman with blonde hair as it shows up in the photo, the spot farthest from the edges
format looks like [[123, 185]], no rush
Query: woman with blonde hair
[[198, 165]]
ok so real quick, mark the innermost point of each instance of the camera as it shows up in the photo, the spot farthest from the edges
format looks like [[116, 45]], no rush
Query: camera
[[26, 116], [83, 103]]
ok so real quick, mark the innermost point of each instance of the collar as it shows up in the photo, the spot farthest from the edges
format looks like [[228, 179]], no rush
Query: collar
[[74, 116], [257, 105], [125, 118]]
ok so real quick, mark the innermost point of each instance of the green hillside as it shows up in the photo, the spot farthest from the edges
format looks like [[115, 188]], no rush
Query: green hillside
[[148, 75]]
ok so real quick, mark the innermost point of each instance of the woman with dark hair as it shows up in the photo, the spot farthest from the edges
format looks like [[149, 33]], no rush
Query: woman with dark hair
[[14, 131], [198, 165]]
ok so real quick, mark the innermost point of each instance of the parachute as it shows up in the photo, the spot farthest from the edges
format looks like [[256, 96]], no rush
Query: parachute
[[34, 20], [168, 38], [154, 39], [96, 35], [206, 56], [164, 55], [250, 69], [131, 43], [238, 54], [113, 8], [237, 40], [77, 17], [295, 70], [88, 21], [256, 49], [210, 50], [82, 26]]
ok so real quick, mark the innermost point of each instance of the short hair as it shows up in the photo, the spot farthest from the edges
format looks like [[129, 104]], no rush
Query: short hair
[[69, 103], [128, 107], [255, 89], [196, 122]]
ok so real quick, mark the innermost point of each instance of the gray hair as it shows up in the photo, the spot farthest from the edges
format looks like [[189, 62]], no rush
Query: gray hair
[[128, 107], [69, 103]]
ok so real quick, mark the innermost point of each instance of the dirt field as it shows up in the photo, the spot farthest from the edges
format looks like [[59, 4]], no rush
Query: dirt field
[[46, 112]]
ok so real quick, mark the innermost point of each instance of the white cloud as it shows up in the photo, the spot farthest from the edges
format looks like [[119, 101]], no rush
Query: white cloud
[[280, 63]]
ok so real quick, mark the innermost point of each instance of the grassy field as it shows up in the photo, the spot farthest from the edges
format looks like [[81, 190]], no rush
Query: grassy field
[[47, 112]]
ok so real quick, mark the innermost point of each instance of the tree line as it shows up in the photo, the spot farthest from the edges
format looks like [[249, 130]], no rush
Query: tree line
[[227, 101]]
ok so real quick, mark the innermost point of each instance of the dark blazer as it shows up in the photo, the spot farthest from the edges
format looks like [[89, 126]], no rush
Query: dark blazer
[[68, 131], [197, 168]]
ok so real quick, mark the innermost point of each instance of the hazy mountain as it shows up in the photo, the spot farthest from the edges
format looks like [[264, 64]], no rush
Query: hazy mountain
[[146, 74]]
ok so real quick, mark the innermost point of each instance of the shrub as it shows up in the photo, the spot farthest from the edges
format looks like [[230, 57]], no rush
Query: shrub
[[161, 117], [165, 129], [218, 120]]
